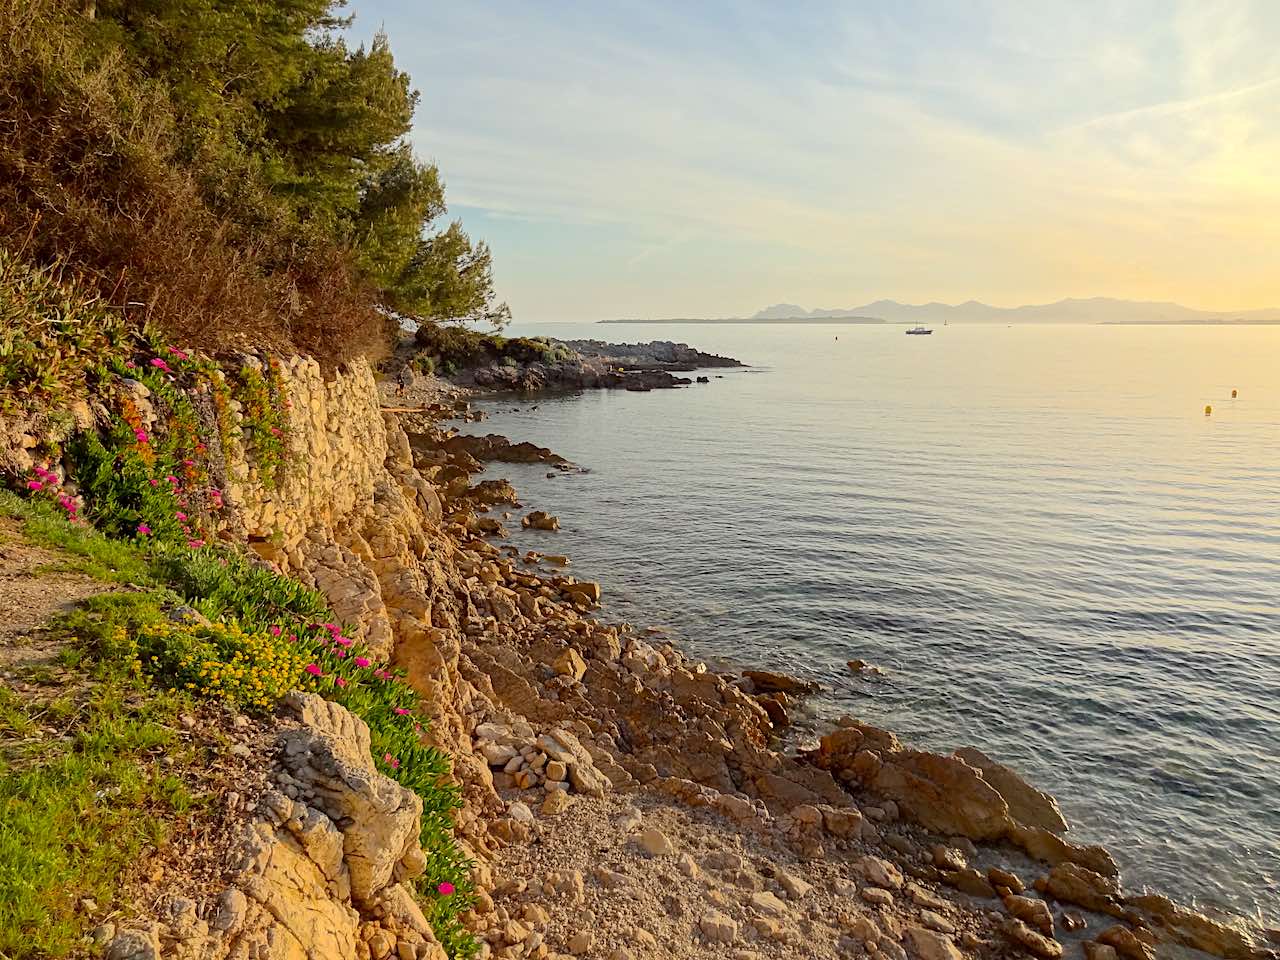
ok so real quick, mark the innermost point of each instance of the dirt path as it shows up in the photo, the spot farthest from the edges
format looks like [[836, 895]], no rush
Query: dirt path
[[33, 589]]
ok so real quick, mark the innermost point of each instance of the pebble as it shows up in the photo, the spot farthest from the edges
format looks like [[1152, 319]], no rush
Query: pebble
[[879, 873], [656, 843], [796, 888], [718, 927], [881, 898], [557, 802], [519, 811], [766, 902]]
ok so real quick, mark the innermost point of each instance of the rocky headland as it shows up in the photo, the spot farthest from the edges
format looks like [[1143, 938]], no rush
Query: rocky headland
[[620, 799], [528, 365]]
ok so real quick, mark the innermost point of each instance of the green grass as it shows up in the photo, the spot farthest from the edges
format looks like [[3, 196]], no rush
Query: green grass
[[108, 633], [83, 795], [84, 549]]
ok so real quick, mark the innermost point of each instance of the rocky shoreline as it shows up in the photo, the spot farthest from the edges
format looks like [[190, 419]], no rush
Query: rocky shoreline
[[621, 799], [569, 365], [888, 850]]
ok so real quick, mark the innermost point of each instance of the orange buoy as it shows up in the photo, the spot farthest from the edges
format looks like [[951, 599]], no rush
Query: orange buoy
[[1207, 409], [1233, 394]]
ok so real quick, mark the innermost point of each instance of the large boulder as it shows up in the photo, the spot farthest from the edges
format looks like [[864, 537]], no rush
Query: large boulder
[[944, 794], [379, 819], [1027, 805]]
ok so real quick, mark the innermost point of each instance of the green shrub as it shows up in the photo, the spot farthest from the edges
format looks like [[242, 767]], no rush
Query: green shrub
[[52, 334]]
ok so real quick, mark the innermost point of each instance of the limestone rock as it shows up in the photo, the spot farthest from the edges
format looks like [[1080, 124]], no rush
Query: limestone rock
[[656, 843], [718, 927], [565, 747], [135, 945], [1072, 883], [878, 872], [1027, 805], [1031, 911], [1125, 943], [766, 681], [1195, 930], [540, 520], [331, 758], [1036, 943], [924, 944], [944, 794], [570, 664]]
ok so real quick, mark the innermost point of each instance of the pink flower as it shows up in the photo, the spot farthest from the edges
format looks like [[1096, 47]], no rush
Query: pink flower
[[188, 463], [340, 682], [141, 435], [172, 479], [159, 364], [445, 889], [314, 670], [195, 544], [402, 712], [340, 654], [395, 764], [154, 483], [275, 630], [34, 485], [130, 364], [362, 661], [180, 515], [343, 641], [143, 529], [175, 352]]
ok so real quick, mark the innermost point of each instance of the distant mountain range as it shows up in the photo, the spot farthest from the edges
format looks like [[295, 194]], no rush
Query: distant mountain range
[[1092, 310]]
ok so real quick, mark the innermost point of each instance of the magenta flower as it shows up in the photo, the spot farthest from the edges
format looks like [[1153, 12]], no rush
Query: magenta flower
[[275, 630], [130, 364], [141, 435], [395, 764], [180, 515], [402, 712], [143, 529], [172, 479], [188, 463], [343, 641], [340, 654], [314, 670], [159, 364], [362, 661], [445, 889], [34, 485], [195, 544], [175, 352], [154, 482], [339, 681]]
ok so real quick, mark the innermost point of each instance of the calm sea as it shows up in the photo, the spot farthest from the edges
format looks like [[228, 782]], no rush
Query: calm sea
[[1036, 531]]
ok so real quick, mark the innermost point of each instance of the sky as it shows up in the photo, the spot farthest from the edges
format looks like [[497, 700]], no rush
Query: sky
[[677, 159]]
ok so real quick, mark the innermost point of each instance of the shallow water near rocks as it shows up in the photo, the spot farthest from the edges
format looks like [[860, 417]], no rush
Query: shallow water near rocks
[[1037, 533]]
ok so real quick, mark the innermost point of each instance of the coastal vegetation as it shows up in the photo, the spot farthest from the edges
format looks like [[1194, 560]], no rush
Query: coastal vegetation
[[449, 348], [234, 173], [131, 491]]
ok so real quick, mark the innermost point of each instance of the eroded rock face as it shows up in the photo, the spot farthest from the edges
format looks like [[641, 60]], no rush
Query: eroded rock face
[[944, 794], [329, 757], [1027, 805], [315, 871]]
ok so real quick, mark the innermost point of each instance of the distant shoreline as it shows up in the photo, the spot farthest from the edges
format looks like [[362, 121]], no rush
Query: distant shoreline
[[904, 323], [750, 320]]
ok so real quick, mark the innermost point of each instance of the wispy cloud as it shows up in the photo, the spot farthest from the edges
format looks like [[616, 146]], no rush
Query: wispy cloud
[[707, 158]]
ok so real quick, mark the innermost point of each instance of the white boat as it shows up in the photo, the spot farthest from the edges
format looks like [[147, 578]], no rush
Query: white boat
[[919, 331]]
